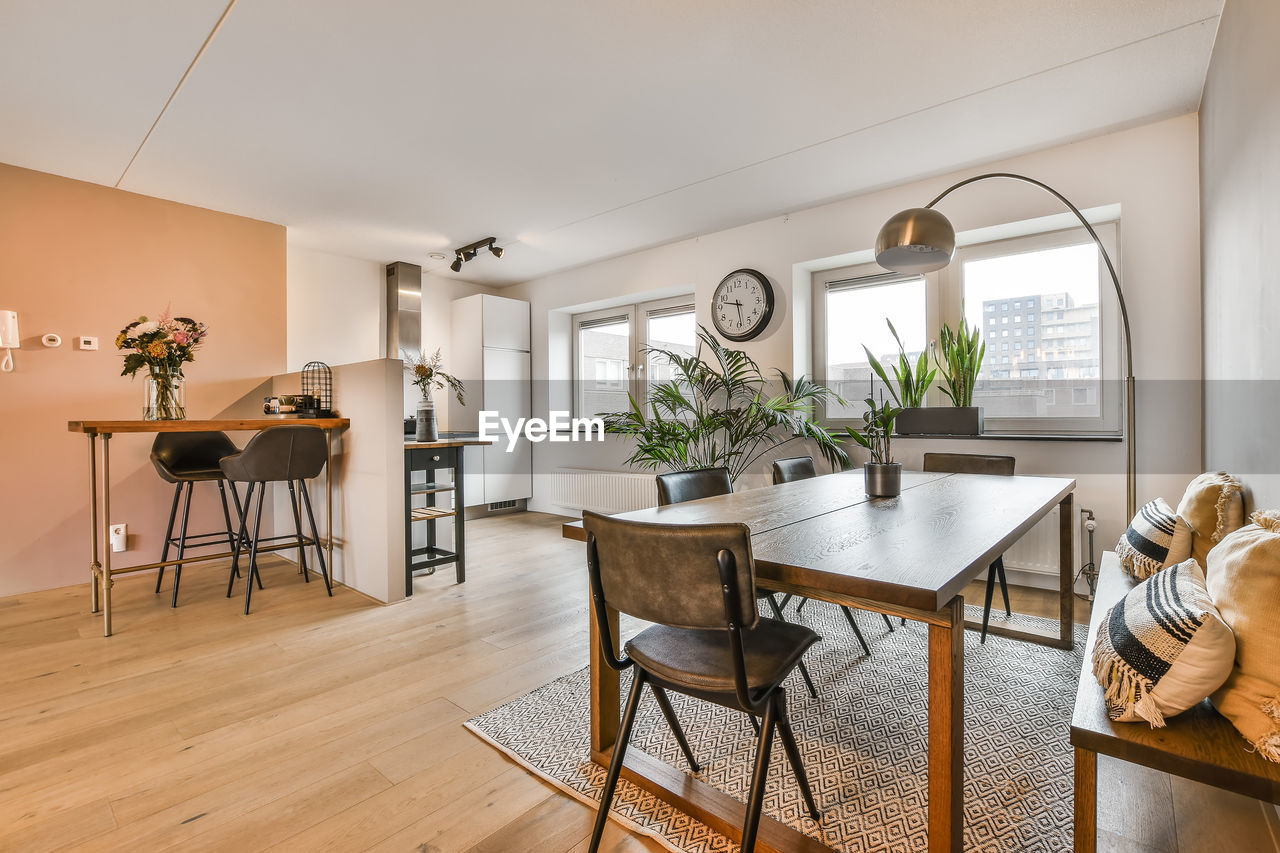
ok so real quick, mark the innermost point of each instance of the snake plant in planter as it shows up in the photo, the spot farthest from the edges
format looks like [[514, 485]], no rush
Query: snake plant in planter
[[962, 355], [883, 475], [718, 410], [912, 382]]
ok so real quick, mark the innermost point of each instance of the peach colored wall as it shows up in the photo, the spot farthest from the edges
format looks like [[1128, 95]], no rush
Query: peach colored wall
[[83, 259]]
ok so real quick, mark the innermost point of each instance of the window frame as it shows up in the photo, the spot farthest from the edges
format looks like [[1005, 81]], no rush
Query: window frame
[[636, 315], [849, 278], [944, 297]]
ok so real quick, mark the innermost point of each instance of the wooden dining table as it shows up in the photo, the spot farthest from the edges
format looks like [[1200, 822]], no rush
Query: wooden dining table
[[909, 556], [100, 569]]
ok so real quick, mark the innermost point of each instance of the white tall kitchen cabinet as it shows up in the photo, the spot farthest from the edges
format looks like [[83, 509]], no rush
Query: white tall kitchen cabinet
[[491, 356]]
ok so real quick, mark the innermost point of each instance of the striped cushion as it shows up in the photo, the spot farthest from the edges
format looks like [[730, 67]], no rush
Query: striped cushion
[[1157, 538], [1163, 647]]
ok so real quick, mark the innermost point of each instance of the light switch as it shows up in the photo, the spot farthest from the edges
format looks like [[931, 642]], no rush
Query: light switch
[[85, 342]]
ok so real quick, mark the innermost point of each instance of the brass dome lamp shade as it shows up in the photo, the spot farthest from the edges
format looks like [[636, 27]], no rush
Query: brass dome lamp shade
[[921, 240]]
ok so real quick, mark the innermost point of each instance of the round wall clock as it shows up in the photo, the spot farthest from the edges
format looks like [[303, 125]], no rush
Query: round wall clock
[[742, 305]]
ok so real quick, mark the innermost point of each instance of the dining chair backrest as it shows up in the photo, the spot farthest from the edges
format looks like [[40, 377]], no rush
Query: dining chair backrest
[[968, 463], [794, 468], [279, 454], [173, 453], [680, 486], [671, 573]]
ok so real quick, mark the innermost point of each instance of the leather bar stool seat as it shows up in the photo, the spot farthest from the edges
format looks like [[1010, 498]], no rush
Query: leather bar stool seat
[[184, 459], [283, 454]]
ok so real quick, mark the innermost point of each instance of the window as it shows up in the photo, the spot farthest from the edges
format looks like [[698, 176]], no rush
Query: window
[[1065, 380], [611, 351], [852, 314]]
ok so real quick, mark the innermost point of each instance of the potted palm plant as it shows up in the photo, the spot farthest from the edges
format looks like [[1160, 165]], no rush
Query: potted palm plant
[[962, 355], [718, 410], [883, 476]]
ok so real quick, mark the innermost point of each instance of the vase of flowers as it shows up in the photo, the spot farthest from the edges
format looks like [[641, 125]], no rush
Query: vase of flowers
[[426, 374], [161, 346]]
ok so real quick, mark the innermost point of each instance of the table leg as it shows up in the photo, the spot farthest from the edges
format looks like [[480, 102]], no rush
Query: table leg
[[459, 520], [605, 695], [1066, 570], [328, 499], [106, 537], [1086, 811], [946, 731], [94, 565], [408, 524]]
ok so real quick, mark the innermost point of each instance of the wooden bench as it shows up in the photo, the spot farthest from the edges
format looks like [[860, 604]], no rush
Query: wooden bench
[[1199, 744]]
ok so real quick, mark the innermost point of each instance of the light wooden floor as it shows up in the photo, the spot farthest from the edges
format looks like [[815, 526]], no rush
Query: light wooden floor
[[320, 723]]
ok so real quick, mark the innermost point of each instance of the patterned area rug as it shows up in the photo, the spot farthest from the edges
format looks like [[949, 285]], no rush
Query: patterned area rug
[[863, 742]]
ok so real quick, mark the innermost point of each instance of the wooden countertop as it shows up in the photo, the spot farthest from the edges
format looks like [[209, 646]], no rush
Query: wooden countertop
[[212, 425], [410, 444]]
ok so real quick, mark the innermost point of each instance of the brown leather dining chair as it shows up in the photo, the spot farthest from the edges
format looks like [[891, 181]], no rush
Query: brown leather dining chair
[[679, 486], [801, 468], [283, 454], [975, 463], [708, 640]]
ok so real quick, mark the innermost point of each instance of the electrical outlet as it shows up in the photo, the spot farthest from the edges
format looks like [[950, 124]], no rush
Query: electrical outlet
[[119, 537], [86, 342]]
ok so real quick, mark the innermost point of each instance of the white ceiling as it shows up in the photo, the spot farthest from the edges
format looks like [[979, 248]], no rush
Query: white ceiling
[[570, 130]]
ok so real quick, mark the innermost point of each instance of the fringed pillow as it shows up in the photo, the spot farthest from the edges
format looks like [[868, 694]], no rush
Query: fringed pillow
[[1244, 580], [1162, 648], [1213, 506], [1156, 539]]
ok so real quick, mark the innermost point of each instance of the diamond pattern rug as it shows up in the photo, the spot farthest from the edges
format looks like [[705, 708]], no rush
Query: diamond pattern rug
[[863, 742]]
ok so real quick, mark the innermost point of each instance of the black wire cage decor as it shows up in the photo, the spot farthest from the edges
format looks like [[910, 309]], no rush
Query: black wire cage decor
[[317, 382]]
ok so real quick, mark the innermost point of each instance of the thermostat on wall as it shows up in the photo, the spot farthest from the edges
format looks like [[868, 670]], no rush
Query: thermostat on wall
[[85, 342]]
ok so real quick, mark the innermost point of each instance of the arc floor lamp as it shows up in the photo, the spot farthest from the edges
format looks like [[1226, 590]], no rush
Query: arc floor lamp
[[921, 240]]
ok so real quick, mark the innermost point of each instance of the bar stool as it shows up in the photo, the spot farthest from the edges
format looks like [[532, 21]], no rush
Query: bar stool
[[284, 454], [184, 459]]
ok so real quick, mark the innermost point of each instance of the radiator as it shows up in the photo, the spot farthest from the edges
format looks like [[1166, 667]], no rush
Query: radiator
[[603, 491], [1037, 551]]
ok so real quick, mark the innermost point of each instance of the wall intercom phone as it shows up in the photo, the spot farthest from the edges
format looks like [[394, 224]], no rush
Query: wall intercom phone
[[9, 338]]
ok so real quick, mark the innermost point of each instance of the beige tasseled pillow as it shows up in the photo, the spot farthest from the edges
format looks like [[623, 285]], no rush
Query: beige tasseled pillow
[[1212, 506], [1244, 582]]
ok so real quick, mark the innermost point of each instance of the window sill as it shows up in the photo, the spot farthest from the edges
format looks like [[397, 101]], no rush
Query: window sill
[[996, 436]]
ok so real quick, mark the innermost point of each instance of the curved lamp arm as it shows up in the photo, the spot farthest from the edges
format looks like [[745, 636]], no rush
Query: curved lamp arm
[[1130, 395]]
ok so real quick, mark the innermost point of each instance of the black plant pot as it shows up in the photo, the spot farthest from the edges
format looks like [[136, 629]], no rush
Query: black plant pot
[[940, 420], [883, 479]]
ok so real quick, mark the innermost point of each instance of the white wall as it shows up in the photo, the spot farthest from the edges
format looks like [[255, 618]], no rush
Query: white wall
[[1150, 171], [1240, 173], [337, 312], [335, 309]]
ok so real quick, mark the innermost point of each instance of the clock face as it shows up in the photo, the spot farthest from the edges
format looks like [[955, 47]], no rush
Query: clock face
[[742, 305]]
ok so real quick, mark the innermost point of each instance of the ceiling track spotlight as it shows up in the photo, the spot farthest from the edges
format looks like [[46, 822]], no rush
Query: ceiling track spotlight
[[469, 252]]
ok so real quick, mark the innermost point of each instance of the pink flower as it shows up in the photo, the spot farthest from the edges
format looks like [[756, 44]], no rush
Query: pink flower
[[181, 338]]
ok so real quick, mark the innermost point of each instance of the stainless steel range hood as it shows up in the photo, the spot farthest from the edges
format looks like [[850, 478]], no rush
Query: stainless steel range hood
[[404, 309]]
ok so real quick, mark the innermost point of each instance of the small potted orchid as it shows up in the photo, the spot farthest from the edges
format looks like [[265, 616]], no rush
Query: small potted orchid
[[425, 372], [162, 346]]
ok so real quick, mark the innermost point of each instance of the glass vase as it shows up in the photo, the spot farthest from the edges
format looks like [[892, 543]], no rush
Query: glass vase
[[165, 396], [426, 421]]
